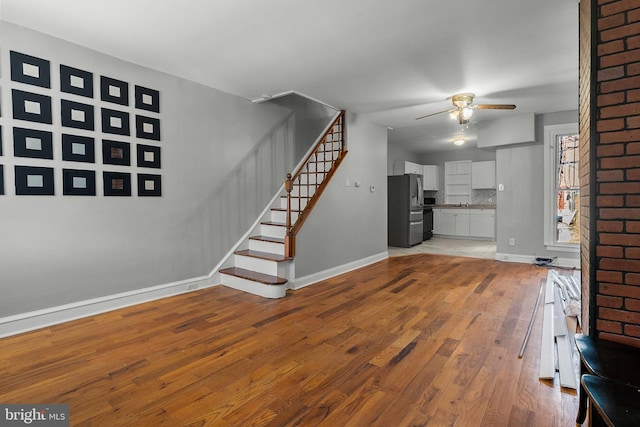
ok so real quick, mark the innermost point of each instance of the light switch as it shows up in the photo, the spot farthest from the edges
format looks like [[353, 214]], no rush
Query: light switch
[[500, 187], [347, 183]]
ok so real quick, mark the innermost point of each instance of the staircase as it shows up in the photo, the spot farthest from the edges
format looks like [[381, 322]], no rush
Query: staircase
[[264, 263]]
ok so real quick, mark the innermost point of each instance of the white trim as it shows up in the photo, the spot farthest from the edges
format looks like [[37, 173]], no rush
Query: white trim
[[24, 322], [302, 282], [290, 92], [564, 247], [528, 259]]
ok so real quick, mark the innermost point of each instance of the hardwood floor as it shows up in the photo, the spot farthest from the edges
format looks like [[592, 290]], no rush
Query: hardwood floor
[[411, 340]]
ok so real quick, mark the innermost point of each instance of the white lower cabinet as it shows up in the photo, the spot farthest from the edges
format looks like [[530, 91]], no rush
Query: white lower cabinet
[[465, 222], [461, 219], [451, 222], [482, 223]]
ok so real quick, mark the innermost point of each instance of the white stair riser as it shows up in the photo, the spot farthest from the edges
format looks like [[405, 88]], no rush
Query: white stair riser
[[329, 146], [303, 190], [327, 156], [281, 216], [255, 288], [264, 246], [259, 265], [311, 179], [319, 166], [272, 231], [296, 204]]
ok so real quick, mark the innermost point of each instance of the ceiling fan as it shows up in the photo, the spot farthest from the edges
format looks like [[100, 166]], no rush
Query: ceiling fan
[[463, 109]]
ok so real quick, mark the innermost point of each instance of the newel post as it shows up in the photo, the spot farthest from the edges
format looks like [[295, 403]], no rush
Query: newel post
[[289, 238]]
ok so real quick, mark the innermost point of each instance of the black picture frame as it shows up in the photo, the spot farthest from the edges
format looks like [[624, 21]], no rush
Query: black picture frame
[[115, 122], [77, 115], [31, 107], [147, 128], [114, 91], [32, 143], [147, 99], [0, 140], [148, 156], [116, 183], [76, 148], [76, 182], [34, 181], [30, 70], [1, 180], [76, 81], [149, 185], [116, 153]]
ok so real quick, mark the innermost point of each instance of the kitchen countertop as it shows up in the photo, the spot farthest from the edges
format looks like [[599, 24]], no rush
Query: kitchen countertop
[[470, 206]]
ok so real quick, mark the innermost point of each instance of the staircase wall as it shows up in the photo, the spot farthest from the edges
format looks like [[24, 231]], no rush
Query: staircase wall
[[348, 226]]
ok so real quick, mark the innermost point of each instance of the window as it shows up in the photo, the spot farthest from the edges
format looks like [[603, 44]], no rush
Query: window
[[562, 187]]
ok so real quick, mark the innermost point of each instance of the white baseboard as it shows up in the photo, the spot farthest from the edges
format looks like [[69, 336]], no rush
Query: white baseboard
[[301, 282], [24, 322], [528, 259]]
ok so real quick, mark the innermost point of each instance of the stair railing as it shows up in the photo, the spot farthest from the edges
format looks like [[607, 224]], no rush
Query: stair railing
[[329, 152]]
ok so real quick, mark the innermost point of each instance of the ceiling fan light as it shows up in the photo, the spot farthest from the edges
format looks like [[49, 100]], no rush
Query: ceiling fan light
[[458, 141], [454, 115], [467, 112]]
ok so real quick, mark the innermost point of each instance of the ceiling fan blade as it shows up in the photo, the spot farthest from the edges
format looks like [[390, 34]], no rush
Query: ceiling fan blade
[[429, 115], [495, 107]]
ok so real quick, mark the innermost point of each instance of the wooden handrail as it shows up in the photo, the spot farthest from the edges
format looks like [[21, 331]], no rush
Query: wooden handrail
[[335, 134]]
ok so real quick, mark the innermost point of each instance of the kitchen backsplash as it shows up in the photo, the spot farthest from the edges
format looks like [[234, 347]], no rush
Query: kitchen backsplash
[[478, 197], [483, 197]]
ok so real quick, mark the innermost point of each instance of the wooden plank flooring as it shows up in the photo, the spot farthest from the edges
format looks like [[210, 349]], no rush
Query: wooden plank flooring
[[411, 340]]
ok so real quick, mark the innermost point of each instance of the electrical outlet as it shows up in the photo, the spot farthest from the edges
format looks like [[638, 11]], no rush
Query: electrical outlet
[[512, 241]]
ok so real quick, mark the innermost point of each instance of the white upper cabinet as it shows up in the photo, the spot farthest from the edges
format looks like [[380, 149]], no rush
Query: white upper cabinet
[[410, 167], [483, 175], [457, 182], [402, 167], [430, 181]]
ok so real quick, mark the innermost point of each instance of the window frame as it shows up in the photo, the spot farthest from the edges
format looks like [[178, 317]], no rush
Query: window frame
[[551, 140]]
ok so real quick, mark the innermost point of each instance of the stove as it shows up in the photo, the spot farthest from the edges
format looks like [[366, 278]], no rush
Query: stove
[[427, 217]]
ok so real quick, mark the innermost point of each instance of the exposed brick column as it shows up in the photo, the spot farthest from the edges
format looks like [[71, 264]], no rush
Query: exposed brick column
[[586, 175], [617, 167]]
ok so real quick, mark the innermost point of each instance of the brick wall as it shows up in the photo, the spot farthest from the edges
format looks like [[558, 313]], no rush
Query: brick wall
[[585, 113], [616, 199]]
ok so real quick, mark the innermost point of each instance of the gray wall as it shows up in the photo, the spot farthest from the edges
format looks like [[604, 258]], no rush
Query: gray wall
[[520, 213], [349, 223], [218, 172], [310, 120], [397, 154]]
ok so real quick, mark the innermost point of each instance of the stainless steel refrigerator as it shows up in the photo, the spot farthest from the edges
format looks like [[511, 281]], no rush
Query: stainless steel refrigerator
[[404, 210]]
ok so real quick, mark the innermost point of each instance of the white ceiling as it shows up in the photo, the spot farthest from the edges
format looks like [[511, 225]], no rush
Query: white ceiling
[[390, 60]]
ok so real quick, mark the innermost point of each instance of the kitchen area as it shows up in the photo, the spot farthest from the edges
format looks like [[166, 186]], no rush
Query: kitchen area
[[458, 206]]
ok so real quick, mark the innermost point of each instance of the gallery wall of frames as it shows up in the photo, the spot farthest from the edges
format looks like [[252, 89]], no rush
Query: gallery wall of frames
[[70, 131]]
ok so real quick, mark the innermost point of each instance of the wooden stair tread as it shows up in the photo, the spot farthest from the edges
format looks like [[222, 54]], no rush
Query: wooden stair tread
[[284, 209], [278, 224], [254, 276], [262, 255], [268, 239]]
